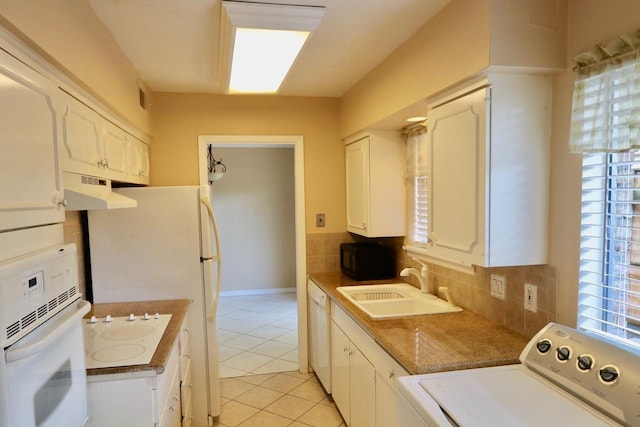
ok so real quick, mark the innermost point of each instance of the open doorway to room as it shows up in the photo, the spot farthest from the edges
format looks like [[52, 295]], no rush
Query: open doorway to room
[[259, 206]]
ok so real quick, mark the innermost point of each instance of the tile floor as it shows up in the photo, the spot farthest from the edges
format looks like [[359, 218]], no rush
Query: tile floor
[[257, 334], [284, 399]]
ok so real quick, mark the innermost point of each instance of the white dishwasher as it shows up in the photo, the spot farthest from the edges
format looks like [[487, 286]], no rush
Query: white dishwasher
[[319, 335]]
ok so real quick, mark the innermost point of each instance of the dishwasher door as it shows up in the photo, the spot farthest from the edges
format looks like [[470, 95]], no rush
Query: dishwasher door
[[319, 335]]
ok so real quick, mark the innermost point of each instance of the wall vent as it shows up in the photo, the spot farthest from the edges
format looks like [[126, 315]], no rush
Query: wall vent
[[143, 98]]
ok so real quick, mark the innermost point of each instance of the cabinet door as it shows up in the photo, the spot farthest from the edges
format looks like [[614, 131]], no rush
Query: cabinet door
[[30, 181], [137, 160], [362, 389], [457, 137], [81, 151], [357, 177], [340, 371], [114, 152]]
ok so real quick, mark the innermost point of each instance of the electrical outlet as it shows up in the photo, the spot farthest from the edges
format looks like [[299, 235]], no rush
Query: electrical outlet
[[320, 220], [530, 297], [498, 286]]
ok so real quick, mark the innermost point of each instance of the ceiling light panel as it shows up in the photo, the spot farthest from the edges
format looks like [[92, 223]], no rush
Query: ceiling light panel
[[266, 40]]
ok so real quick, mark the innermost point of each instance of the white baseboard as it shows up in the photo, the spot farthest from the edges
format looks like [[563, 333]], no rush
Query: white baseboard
[[247, 292]]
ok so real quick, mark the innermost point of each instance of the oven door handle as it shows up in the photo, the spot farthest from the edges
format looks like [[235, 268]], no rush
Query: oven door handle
[[11, 355]]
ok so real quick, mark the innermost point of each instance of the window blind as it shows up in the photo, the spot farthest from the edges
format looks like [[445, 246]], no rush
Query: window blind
[[609, 288], [417, 181]]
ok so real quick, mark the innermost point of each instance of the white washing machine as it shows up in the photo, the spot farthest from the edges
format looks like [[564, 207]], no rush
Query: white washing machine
[[565, 378]]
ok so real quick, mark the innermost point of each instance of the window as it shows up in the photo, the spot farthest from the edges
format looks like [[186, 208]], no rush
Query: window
[[605, 127], [417, 181], [609, 292]]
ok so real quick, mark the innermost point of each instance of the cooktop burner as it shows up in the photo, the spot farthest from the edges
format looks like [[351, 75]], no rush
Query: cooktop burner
[[122, 341]]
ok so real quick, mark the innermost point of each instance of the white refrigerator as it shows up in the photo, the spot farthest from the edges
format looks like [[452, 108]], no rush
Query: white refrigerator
[[165, 248]]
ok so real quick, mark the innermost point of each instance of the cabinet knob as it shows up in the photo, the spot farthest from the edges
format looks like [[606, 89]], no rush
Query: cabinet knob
[[392, 375]]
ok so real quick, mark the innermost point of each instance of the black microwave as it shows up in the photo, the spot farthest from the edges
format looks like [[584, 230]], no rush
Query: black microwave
[[367, 261]]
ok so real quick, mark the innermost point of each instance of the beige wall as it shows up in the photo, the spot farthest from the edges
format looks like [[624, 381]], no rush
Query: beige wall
[[529, 33], [70, 36], [450, 47], [255, 211], [179, 119], [590, 22]]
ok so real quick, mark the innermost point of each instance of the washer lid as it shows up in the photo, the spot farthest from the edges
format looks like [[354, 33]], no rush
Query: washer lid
[[507, 396]]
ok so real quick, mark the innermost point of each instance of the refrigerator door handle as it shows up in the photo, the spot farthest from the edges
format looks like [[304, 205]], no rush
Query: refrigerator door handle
[[215, 291]]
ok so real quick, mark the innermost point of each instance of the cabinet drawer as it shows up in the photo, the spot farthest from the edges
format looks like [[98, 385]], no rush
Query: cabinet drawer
[[184, 338], [355, 333], [165, 380], [187, 418], [388, 370], [171, 415], [185, 389]]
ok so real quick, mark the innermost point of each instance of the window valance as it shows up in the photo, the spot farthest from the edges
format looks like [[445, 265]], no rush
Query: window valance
[[606, 97]]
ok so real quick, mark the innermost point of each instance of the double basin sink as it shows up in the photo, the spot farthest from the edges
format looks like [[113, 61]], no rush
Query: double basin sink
[[393, 300]]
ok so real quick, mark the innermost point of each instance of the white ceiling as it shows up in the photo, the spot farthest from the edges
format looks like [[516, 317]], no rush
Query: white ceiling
[[174, 44]]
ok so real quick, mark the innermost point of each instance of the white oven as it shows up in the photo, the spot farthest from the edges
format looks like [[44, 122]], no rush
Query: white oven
[[42, 370]]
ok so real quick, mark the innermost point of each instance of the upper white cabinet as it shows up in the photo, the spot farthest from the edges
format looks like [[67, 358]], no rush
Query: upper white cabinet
[[94, 146], [30, 180], [489, 173], [137, 160], [375, 191]]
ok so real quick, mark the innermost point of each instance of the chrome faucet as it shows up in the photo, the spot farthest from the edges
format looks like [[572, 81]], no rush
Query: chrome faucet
[[422, 275]]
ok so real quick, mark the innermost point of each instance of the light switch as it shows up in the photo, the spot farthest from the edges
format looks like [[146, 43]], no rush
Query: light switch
[[498, 286]]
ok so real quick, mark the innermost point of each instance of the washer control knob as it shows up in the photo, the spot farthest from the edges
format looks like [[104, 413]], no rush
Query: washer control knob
[[132, 317], [146, 316], [563, 353], [585, 362], [609, 374], [93, 319], [108, 319], [543, 346], [156, 316]]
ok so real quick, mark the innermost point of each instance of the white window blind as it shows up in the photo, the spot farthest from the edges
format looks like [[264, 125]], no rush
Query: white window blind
[[417, 181], [609, 290]]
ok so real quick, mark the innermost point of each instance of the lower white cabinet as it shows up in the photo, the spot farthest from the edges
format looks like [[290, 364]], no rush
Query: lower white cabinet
[[145, 398], [363, 375]]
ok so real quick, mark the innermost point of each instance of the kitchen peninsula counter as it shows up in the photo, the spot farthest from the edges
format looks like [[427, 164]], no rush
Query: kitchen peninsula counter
[[431, 343], [178, 310]]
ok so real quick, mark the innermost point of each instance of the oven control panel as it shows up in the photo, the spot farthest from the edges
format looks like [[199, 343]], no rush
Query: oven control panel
[[34, 287], [600, 372]]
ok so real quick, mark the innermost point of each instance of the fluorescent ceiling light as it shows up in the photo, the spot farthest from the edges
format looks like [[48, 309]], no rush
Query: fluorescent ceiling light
[[266, 39], [262, 59]]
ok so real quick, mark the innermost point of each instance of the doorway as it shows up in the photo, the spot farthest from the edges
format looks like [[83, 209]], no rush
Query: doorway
[[265, 294]]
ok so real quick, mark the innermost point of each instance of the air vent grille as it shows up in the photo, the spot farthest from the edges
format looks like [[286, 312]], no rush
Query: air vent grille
[[28, 320], [13, 329], [92, 180], [63, 297], [41, 312]]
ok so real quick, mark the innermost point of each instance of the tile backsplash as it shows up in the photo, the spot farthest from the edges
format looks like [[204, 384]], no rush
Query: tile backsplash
[[469, 291]]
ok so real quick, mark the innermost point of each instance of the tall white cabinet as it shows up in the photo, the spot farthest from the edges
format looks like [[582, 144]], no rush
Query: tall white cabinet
[[489, 173], [374, 164]]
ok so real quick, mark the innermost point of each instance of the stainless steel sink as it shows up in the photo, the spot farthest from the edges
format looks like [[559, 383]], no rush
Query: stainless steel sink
[[395, 300]]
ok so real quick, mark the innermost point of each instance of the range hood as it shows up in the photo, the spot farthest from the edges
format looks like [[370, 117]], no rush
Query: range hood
[[83, 192]]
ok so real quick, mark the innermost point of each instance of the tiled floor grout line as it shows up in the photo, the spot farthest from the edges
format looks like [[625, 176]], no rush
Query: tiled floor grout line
[[329, 417], [267, 312]]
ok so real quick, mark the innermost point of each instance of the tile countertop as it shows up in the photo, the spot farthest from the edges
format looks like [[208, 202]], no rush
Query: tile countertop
[[431, 343], [176, 307]]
